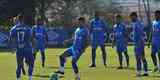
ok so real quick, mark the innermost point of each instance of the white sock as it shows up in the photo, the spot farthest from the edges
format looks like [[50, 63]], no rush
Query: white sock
[[138, 72], [18, 78], [145, 72], [30, 77], [78, 75], [61, 69]]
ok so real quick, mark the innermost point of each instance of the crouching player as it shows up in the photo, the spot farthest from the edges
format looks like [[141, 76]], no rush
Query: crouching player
[[138, 27], [156, 40], [21, 36], [77, 49], [120, 41]]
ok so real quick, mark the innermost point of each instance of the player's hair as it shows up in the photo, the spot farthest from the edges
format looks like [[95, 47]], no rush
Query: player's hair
[[118, 16], [39, 19], [96, 13], [157, 12], [134, 14], [21, 17], [82, 19]]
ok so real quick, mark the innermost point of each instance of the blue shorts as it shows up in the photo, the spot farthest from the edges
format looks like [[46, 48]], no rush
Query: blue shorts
[[155, 46], [25, 54], [75, 53], [121, 48], [97, 40], [139, 49], [40, 47]]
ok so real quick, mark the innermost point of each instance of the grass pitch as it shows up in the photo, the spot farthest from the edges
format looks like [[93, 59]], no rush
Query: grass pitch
[[8, 66]]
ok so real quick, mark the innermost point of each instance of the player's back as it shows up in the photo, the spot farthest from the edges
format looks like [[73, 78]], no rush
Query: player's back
[[22, 35]]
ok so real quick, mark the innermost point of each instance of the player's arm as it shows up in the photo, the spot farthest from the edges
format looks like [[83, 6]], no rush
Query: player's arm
[[11, 41], [126, 34], [150, 37], [46, 35], [114, 40]]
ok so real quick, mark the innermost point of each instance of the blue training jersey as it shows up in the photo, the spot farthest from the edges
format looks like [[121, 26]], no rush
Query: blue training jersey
[[156, 30], [21, 34], [138, 30], [97, 28], [40, 34], [80, 38], [119, 33]]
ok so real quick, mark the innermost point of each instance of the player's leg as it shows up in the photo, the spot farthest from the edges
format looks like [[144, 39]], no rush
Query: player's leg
[[138, 55], [23, 69], [145, 65], [103, 54], [120, 58], [94, 47], [35, 50], [159, 59], [62, 59], [139, 63], [119, 49], [127, 57], [75, 67], [154, 58], [30, 62], [43, 57], [19, 65]]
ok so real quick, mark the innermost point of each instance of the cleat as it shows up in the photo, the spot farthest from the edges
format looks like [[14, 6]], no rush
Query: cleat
[[155, 70], [60, 72], [146, 74], [120, 67], [92, 66]]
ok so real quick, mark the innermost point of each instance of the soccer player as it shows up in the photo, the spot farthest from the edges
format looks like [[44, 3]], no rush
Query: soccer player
[[17, 22], [138, 27], [120, 40], [40, 36], [98, 37], [76, 50], [156, 40], [21, 36]]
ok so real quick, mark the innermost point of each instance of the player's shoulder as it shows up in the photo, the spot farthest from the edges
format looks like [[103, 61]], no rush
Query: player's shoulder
[[13, 28], [115, 26], [92, 20], [34, 26]]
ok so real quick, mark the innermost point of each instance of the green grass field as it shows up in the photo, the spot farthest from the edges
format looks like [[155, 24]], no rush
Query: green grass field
[[8, 66]]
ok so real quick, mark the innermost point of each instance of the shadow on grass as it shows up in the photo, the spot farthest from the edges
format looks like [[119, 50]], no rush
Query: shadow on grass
[[56, 67], [42, 76]]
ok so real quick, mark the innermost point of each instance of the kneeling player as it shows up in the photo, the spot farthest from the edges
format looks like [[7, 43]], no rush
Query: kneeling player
[[76, 50], [120, 40], [21, 36], [139, 44]]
